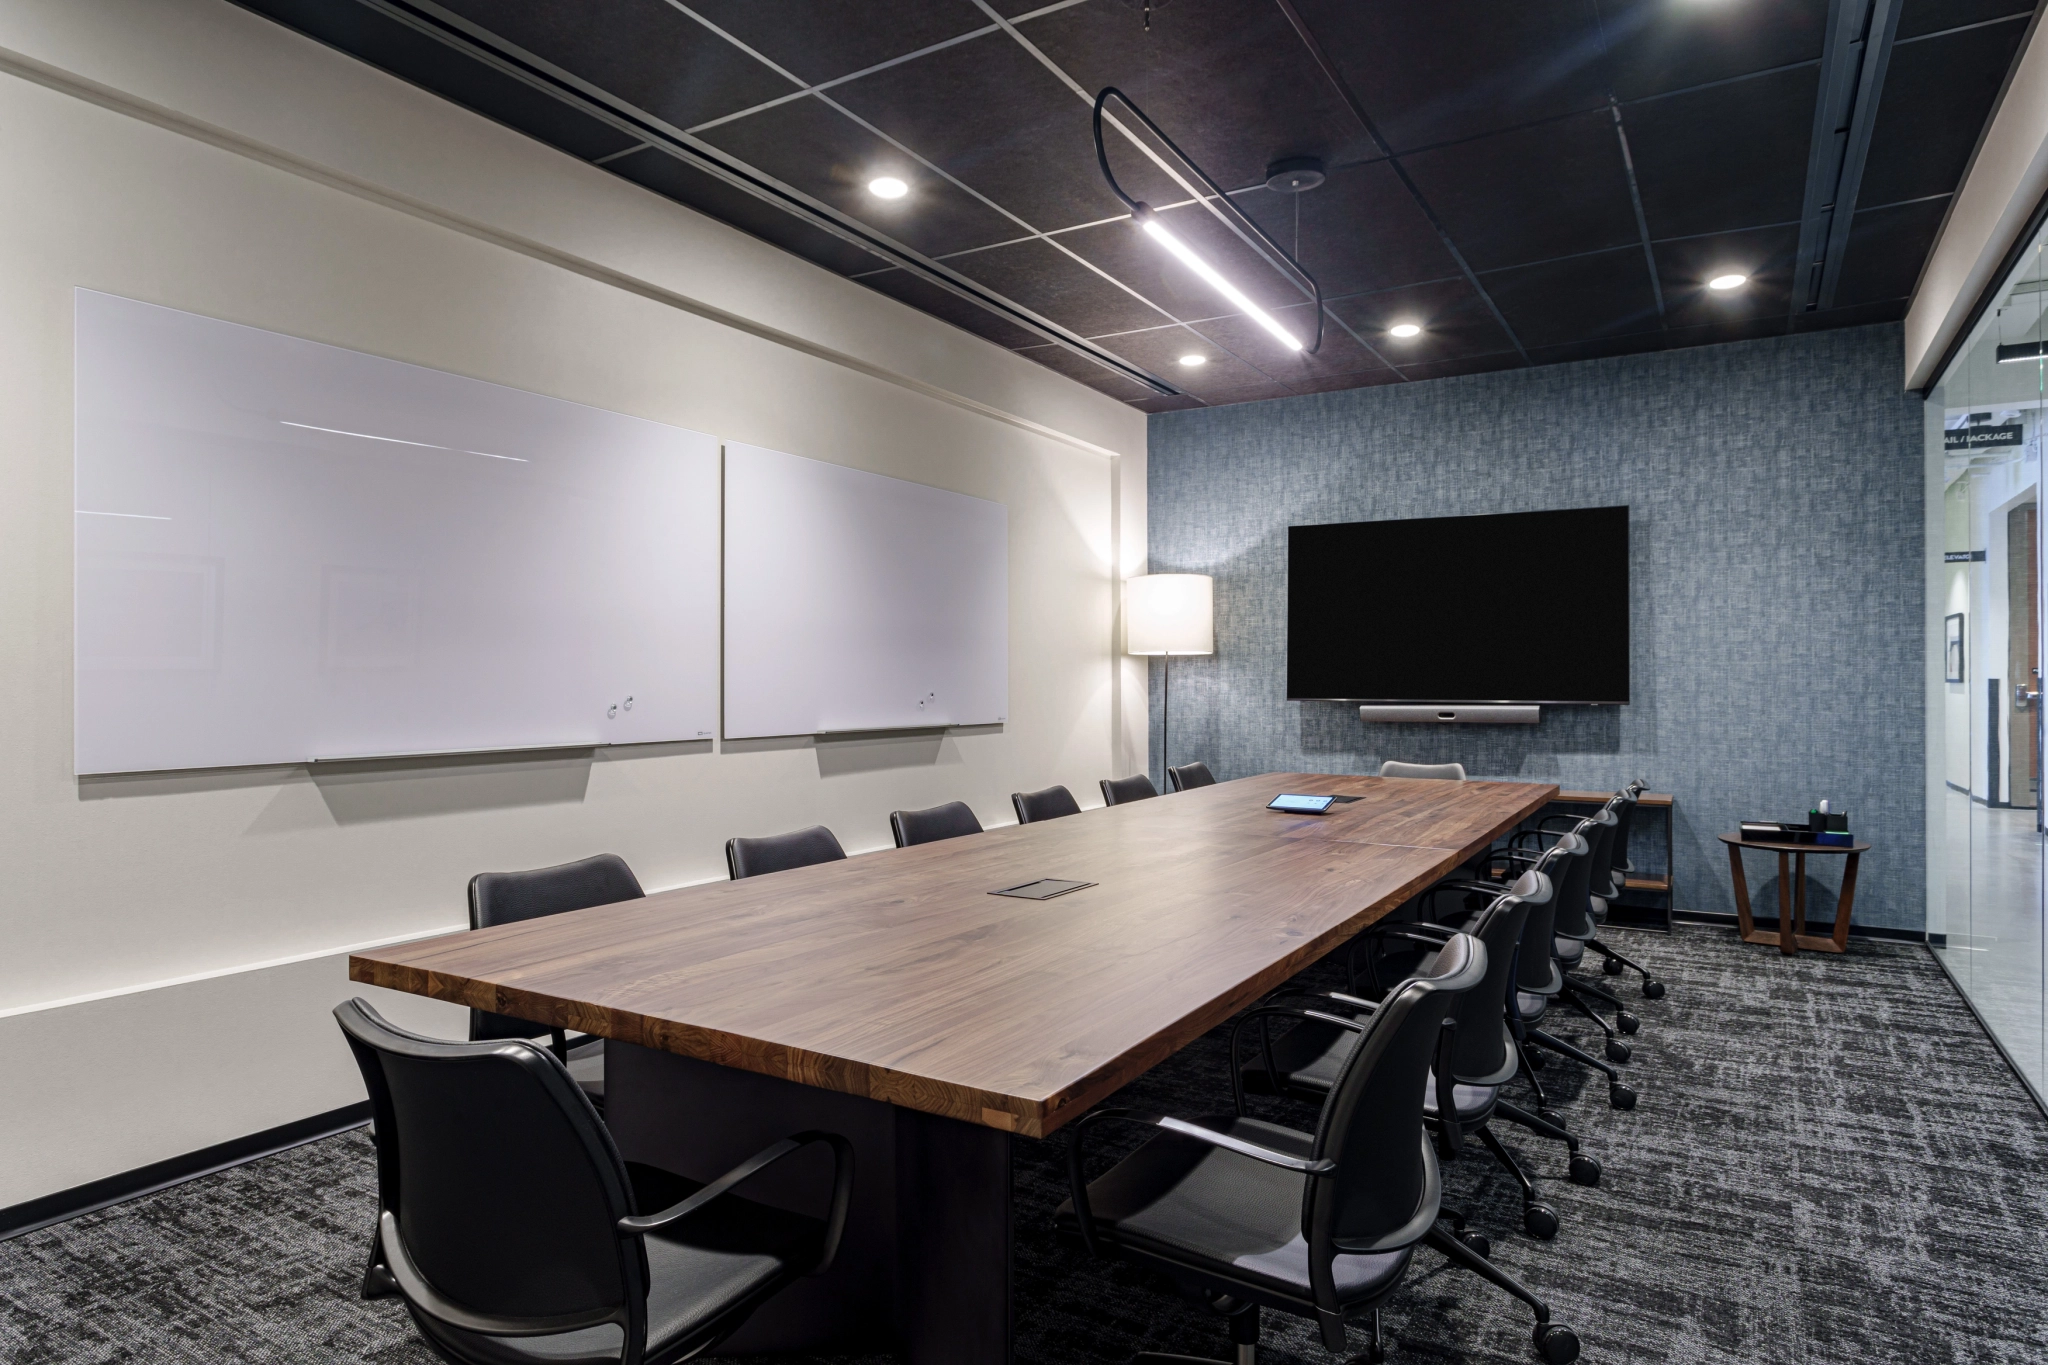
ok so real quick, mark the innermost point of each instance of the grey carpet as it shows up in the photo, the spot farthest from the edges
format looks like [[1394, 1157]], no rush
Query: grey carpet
[[1830, 1163]]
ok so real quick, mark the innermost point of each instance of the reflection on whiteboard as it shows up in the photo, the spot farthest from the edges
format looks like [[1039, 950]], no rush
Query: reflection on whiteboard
[[291, 551], [859, 602]]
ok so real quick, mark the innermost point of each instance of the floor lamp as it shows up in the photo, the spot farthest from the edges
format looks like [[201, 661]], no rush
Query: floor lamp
[[1168, 614]]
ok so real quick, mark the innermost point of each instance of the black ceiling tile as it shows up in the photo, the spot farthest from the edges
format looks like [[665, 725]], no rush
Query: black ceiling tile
[[990, 114], [1229, 82], [1338, 354], [821, 40], [1177, 403], [1473, 364], [1556, 303], [1160, 349], [1125, 251], [1531, 194], [943, 303], [644, 51], [1733, 329], [1918, 17], [1248, 393], [1886, 249], [1766, 255], [707, 193], [1731, 157], [1659, 45], [1080, 368], [1360, 230], [812, 147], [1455, 323], [1057, 287], [1332, 383], [1437, 72], [1632, 344], [1937, 95], [1854, 315]]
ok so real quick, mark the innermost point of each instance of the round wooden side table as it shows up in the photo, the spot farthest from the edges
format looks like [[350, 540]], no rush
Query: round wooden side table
[[1791, 935]]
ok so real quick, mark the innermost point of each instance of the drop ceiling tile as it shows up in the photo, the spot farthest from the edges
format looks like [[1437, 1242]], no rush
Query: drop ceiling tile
[[1602, 349], [1766, 255], [1854, 315], [1057, 287], [1657, 46], [707, 193], [644, 51], [1083, 370], [1249, 393], [1585, 298], [1477, 364], [1335, 383], [1727, 158], [1177, 403], [1937, 96], [1430, 73], [1455, 323], [1127, 253], [823, 41], [1159, 350], [943, 303], [1886, 249], [1339, 354], [1734, 329], [1360, 230], [812, 147], [1531, 194]]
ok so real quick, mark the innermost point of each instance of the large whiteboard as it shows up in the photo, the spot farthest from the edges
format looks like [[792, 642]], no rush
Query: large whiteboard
[[291, 551], [854, 601]]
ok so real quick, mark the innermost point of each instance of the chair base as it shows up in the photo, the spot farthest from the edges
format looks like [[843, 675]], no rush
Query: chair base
[[1246, 1355]]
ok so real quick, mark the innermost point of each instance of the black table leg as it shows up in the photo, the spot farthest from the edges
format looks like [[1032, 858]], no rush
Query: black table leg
[[953, 1240]]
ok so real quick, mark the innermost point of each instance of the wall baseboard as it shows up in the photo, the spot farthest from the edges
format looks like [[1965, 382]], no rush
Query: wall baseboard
[[1646, 918], [118, 1189]]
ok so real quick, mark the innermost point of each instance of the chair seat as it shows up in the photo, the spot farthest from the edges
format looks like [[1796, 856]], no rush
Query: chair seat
[[1530, 1007], [1568, 951], [1207, 1208], [698, 1272], [1475, 1103]]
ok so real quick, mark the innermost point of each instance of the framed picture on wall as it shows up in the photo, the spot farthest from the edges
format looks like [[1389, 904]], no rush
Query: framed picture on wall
[[1952, 656]]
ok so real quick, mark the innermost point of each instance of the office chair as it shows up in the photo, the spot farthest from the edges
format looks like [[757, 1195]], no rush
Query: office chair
[[1121, 791], [1188, 776], [1610, 878], [1244, 1214], [949, 821], [781, 852], [1450, 772], [1304, 1062], [509, 897], [1050, 804], [498, 1267]]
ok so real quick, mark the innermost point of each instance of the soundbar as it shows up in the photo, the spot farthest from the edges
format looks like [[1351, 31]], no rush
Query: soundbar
[[1453, 715]]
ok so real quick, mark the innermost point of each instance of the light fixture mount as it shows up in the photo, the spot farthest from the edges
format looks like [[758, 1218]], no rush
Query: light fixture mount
[[1295, 174]]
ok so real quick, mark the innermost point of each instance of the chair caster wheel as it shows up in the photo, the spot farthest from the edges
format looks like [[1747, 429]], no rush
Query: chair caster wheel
[[1653, 990], [1621, 1097], [1537, 1061], [1557, 1344], [1374, 1354], [1611, 967], [1478, 1244], [1540, 1220], [1585, 1170], [1551, 1116], [1617, 1051], [1627, 1022]]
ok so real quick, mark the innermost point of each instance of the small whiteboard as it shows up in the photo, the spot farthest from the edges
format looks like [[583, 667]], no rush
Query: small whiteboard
[[288, 551], [854, 601]]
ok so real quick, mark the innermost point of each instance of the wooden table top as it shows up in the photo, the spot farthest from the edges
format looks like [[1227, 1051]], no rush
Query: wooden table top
[[1775, 846], [895, 975]]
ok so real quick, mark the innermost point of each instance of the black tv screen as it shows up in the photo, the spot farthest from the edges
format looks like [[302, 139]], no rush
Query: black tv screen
[[1524, 607]]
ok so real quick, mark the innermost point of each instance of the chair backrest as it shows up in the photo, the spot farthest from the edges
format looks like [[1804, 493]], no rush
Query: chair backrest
[[508, 897], [1574, 912], [1118, 791], [1049, 804], [1450, 772], [1535, 969], [1483, 1048], [1371, 1124], [1189, 775], [461, 1129], [949, 821], [1618, 863], [781, 852]]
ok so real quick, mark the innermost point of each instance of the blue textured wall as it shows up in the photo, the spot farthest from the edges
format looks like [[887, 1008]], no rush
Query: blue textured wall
[[1775, 541]]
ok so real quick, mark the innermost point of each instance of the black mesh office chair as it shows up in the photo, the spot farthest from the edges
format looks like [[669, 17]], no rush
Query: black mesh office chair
[[1611, 867], [1189, 776], [1118, 791], [781, 852], [1305, 1062], [508, 897], [500, 1268], [949, 821], [1050, 804], [1245, 1214]]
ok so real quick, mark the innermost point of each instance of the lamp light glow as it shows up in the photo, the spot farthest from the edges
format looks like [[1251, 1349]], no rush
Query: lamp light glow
[[1404, 330], [1187, 257], [887, 187], [1191, 360], [1726, 282], [1170, 613]]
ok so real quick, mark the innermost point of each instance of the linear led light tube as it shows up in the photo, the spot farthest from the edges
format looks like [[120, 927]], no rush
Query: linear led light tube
[[1149, 221], [2022, 350]]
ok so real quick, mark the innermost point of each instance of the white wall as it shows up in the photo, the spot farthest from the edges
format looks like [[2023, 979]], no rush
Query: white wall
[[191, 154]]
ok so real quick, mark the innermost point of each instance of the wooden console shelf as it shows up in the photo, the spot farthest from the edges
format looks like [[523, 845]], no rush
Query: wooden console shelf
[[1660, 886]]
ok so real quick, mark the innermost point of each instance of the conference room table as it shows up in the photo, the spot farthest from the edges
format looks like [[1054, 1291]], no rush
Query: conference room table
[[890, 997]]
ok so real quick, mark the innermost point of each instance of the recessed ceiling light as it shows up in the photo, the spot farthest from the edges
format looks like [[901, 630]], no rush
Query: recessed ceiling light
[[1404, 330], [887, 187], [1726, 282], [1193, 360]]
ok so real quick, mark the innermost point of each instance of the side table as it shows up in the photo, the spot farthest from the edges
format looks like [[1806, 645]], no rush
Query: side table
[[1791, 935]]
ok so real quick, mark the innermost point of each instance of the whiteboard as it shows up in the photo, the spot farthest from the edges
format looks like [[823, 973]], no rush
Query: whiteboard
[[854, 601], [288, 551]]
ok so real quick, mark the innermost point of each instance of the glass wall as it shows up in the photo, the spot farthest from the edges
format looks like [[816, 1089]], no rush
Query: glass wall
[[1987, 828]]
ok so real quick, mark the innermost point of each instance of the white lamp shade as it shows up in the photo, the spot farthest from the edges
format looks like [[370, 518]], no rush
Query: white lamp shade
[[1170, 613]]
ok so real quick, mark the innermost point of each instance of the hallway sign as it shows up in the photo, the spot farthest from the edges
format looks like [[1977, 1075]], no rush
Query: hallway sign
[[2006, 437]]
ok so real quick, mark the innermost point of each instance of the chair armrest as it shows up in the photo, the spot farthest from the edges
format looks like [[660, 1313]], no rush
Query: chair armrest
[[835, 1219], [1428, 935], [1349, 1001], [1263, 1013], [1077, 1178]]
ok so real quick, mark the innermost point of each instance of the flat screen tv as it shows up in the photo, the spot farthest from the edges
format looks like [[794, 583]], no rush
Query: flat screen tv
[[1525, 608]]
